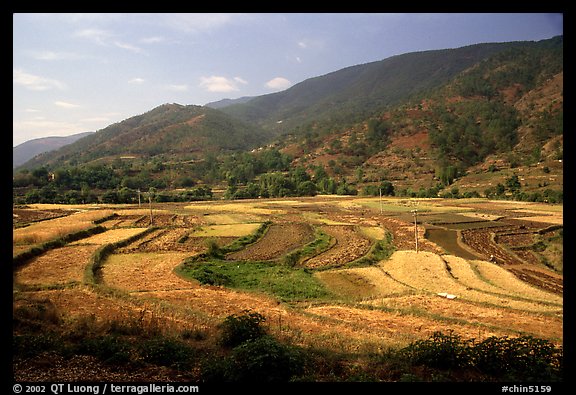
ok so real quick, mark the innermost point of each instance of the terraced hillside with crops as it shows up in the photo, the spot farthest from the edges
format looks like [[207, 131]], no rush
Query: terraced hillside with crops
[[339, 273]]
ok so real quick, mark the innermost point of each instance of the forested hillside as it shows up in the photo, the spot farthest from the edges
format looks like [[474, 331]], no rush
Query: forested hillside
[[188, 132], [483, 120]]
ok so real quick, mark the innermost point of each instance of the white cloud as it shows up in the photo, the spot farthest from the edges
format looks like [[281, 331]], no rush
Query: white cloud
[[107, 38], [129, 47], [240, 80], [35, 82], [51, 55], [136, 81], [177, 88], [194, 23], [96, 35], [64, 104], [278, 83], [152, 40], [221, 84]]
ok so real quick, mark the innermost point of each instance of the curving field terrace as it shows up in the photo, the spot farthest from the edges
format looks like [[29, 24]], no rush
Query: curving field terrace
[[365, 308], [279, 240], [350, 245]]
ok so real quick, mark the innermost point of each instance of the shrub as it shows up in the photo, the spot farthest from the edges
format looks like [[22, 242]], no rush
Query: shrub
[[167, 352], [440, 351], [523, 357], [205, 275], [214, 250], [237, 329], [110, 349], [265, 360], [258, 360]]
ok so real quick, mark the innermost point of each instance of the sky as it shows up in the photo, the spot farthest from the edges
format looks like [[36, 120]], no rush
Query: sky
[[83, 72]]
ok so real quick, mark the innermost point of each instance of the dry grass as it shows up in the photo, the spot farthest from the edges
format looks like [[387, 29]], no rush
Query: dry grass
[[361, 283], [426, 272], [57, 266], [229, 219], [110, 236], [144, 271], [464, 272], [373, 232], [509, 283], [231, 230], [375, 310], [316, 218], [141, 211], [245, 208], [51, 229]]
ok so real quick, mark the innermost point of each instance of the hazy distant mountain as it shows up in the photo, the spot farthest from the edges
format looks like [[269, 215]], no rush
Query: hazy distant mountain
[[29, 149]]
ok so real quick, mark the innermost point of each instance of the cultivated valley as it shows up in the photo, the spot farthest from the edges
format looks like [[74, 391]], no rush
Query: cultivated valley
[[400, 220]]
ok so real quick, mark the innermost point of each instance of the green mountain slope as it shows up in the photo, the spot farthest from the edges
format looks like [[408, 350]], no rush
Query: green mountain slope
[[354, 93], [500, 118], [172, 130], [485, 119]]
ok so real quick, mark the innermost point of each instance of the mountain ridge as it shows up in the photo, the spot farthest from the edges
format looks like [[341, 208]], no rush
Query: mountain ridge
[[449, 124], [31, 148]]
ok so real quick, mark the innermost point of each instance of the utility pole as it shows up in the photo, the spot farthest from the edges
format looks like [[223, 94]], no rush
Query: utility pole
[[415, 212], [150, 203], [138, 198], [381, 210]]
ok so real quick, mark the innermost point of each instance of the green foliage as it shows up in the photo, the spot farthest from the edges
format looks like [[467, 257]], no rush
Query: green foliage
[[108, 348], [469, 131], [263, 360], [207, 275], [237, 329], [214, 250], [284, 282], [385, 187], [440, 351], [30, 345], [522, 358], [167, 352], [381, 249]]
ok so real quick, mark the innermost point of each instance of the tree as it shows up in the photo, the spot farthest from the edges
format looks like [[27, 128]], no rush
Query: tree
[[387, 188], [513, 183], [307, 188]]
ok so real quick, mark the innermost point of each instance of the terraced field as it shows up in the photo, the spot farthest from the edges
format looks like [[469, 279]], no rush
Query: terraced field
[[362, 307]]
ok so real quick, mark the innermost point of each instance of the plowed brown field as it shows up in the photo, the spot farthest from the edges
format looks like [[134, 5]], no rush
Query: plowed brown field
[[279, 240], [350, 245]]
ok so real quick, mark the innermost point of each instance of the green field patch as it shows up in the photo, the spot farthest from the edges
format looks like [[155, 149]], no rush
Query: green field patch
[[448, 240], [285, 283], [226, 230]]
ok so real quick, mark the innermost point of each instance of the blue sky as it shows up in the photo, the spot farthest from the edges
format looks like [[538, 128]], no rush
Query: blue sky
[[82, 72]]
